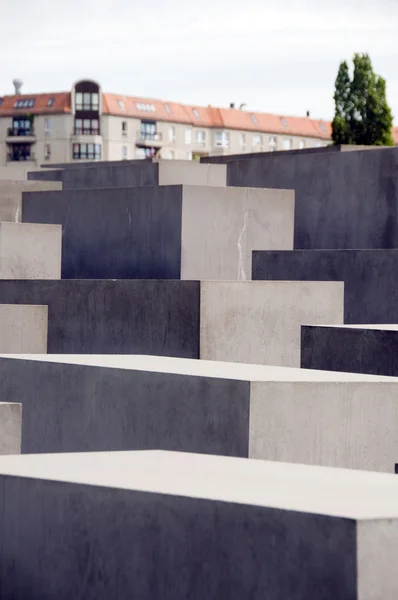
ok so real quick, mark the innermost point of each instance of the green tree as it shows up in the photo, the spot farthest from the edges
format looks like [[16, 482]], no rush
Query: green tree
[[362, 115]]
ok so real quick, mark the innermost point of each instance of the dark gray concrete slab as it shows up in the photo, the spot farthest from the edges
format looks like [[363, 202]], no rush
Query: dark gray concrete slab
[[343, 199], [123, 233], [363, 349], [370, 277], [108, 317], [170, 526], [115, 175]]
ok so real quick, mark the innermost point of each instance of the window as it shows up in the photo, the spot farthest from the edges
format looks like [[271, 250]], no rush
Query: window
[[20, 152], [222, 139], [1, 101], [196, 113], [273, 143], [188, 135], [22, 126], [50, 102], [84, 151], [283, 121], [86, 101], [121, 104], [47, 152], [172, 134], [47, 127], [124, 128], [189, 155], [301, 144], [253, 118], [167, 108], [200, 136], [86, 127], [287, 144], [124, 152], [145, 107], [242, 139], [148, 130], [24, 103], [257, 140]]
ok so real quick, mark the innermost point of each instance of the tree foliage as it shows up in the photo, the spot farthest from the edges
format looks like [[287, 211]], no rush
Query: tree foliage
[[362, 115]]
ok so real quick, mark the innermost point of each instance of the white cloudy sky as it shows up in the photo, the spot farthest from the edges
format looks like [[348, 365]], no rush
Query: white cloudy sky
[[275, 55]]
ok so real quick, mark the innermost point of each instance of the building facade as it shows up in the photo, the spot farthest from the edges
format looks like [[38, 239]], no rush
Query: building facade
[[87, 124]]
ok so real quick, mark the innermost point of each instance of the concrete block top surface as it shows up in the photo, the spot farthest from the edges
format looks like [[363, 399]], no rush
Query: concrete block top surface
[[378, 327], [202, 368], [338, 493]]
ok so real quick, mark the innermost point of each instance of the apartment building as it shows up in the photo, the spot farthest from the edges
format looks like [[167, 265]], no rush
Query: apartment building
[[87, 124]]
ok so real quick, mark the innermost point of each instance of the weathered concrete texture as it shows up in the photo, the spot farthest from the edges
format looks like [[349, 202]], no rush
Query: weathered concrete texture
[[91, 403], [11, 196], [137, 174], [343, 199], [10, 428], [239, 321], [30, 251], [222, 226], [23, 329], [370, 278], [355, 349], [150, 317], [247, 322], [170, 526], [187, 232]]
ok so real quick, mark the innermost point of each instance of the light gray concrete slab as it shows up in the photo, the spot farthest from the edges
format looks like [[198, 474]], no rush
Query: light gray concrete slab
[[247, 322], [191, 173], [30, 251], [222, 226], [11, 195], [23, 328], [10, 428], [89, 403], [156, 525]]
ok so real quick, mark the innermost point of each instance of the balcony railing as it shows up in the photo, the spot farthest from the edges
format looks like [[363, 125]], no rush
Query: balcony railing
[[20, 156], [149, 136], [16, 132], [83, 131]]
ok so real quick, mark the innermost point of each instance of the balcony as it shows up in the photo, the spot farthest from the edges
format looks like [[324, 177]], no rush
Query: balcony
[[16, 135], [21, 156], [151, 139]]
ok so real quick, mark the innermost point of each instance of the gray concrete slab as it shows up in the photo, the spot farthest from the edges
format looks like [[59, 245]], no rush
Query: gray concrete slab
[[355, 348], [11, 196], [30, 251], [23, 328], [177, 232], [343, 199], [217, 320], [10, 428], [370, 277], [91, 403], [170, 526], [246, 322], [136, 174]]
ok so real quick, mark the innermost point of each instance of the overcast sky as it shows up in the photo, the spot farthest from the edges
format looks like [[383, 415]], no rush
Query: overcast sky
[[277, 56]]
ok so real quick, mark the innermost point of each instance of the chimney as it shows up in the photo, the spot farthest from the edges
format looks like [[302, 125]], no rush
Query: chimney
[[308, 114], [18, 83], [232, 105]]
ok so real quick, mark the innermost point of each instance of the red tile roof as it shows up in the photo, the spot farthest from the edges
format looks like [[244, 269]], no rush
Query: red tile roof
[[61, 104], [223, 118]]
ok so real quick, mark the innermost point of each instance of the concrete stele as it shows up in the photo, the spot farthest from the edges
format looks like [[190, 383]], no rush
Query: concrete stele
[[23, 328], [153, 518], [30, 251], [11, 196], [234, 409], [10, 428]]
